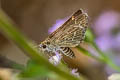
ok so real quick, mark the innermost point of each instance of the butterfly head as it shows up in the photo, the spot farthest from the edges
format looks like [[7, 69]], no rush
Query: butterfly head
[[46, 46]]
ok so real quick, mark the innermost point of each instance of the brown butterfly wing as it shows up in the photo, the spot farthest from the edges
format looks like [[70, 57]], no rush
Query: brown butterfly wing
[[72, 32]]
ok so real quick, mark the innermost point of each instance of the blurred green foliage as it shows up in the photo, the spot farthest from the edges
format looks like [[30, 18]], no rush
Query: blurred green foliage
[[33, 70], [90, 37], [38, 66]]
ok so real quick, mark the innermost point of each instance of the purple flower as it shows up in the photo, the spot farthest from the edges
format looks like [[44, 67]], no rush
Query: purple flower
[[55, 59], [105, 22], [106, 41], [58, 23], [75, 73], [103, 26]]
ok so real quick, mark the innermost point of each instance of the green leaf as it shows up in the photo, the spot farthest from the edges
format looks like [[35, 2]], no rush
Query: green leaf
[[89, 36], [34, 70]]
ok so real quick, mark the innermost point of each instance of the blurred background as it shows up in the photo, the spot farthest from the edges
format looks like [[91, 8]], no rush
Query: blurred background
[[35, 17]]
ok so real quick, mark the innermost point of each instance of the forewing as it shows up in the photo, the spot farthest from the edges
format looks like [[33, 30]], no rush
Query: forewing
[[72, 32]]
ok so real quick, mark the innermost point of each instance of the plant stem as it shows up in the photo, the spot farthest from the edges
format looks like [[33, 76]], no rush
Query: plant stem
[[86, 52], [106, 59]]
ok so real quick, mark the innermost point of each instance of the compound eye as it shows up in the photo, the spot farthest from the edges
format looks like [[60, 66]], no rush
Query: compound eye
[[48, 43], [44, 46]]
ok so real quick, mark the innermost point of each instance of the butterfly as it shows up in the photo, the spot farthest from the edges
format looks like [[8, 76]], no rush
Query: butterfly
[[70, 34]]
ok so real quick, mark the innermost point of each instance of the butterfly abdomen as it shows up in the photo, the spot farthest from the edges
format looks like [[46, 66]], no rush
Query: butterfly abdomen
[[68, 52]]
